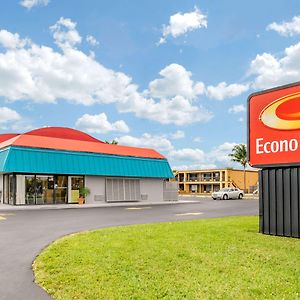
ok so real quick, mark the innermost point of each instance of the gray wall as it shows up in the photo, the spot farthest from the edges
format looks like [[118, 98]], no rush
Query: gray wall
[[171, 191], [96, 184], [152, 189]]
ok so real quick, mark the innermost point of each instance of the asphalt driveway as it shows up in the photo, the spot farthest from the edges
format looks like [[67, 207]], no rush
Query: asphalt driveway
[[24, 233]]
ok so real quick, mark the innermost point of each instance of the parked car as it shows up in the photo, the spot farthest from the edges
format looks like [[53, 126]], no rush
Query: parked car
[[228, 193]]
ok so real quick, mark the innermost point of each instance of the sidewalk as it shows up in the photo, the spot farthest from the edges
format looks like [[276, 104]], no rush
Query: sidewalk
[[6, 207]]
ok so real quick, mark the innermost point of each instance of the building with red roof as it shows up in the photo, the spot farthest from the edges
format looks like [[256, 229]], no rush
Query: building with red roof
[[52, 165]]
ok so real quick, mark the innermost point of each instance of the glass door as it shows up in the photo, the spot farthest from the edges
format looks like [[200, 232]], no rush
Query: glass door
[[29, 189], [61, 189], [44, 189], [12, 189]]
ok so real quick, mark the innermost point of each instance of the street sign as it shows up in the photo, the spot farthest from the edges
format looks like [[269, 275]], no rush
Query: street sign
[[274, 127]]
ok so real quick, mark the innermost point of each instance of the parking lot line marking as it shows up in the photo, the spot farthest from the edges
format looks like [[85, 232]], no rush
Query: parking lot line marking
[[3, 216], [190, 214], [138, 208]]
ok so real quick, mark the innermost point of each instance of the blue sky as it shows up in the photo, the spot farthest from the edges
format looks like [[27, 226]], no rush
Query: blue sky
[[170, 75]]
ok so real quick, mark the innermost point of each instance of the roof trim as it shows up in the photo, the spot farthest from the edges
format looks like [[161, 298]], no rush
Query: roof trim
[[46, 161]]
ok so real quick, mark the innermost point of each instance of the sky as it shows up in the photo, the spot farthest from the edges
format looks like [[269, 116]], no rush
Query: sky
[[170, 75]]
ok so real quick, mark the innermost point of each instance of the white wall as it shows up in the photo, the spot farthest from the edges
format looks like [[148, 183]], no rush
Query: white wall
[[1, 188], [20, 197]]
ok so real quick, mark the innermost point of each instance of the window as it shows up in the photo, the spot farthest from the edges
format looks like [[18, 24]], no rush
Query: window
[[76, 184], [9, 188], [47, 189]]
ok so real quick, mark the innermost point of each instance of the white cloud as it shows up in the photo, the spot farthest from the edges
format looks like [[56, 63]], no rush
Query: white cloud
[[31, 3], [91, 40], [100, 124], [181, 23], [224, 90], [147, 140], [193, 167], [220, 153], [176, 92], [8, 115], [20, 126], [179, 134], [193, 158], [272, 71], [241, 119], [12, 40], [65, 33], [198, 139], [176, 81], [188, 155], [286, 28], [235, 109], [177, 110], [41, 74], [11, 120]]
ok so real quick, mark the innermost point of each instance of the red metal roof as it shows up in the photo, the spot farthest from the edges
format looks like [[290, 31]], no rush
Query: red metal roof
[[63, 133], [60, 138], [7, 136]]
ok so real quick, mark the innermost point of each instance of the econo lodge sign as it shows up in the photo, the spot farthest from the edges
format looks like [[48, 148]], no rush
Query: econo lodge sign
[[274, 126]]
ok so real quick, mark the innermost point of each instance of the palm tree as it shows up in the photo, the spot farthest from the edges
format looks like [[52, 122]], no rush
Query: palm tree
[[239, 155]]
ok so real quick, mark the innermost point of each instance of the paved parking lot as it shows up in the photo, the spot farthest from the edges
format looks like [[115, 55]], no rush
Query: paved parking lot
[[24, 233]]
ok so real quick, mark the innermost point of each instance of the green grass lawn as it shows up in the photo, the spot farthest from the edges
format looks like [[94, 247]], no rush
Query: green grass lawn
[[204, 259]]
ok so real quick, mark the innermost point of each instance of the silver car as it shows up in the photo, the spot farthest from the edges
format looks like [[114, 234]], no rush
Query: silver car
[[228, 193]]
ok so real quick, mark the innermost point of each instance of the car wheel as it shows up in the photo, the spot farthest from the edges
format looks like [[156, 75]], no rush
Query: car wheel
[[214, 198], [241, 196], [225, 197]]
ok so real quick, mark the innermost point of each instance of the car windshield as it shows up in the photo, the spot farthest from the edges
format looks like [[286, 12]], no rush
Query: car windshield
[[224, 190]]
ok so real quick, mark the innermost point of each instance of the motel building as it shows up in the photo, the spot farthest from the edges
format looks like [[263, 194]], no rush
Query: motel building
[[50, 165], [212, 180]]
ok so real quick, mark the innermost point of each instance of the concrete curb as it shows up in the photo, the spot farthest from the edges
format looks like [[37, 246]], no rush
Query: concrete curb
[[6, 207], [184, 200]]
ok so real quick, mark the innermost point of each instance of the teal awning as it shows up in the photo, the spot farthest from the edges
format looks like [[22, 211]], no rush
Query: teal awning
[[43, 161]]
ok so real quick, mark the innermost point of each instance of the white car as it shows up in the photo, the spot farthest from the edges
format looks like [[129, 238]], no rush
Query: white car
[[228, 193]]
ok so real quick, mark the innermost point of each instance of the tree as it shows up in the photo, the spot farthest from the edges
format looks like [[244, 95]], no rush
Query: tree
[[113, 142], [239, 154]]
